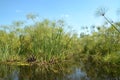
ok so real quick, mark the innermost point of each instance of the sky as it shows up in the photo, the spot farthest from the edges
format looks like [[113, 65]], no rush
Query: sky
[[76, 13]]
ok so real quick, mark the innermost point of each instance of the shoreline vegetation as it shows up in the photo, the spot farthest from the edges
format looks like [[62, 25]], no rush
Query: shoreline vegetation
[[46, 42]]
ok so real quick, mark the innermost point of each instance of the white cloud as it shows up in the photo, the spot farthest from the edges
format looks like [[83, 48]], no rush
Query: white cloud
[[18, 11], [65, 16]]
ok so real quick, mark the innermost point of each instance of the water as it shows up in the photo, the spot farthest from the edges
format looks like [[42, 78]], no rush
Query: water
[[86, 71], [36, 73]]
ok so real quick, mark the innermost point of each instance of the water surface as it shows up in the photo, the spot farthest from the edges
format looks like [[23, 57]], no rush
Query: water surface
[[86, 71]]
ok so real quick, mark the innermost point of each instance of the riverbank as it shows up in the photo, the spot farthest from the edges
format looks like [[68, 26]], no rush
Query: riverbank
[[92, 66], [82, 58]]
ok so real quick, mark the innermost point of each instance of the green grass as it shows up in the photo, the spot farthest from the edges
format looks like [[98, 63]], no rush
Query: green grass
[[48, 40], [112, 58]]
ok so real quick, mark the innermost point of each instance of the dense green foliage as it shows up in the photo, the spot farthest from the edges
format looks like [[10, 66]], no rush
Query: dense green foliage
[[48, 40], [104, 42], [45, 40]]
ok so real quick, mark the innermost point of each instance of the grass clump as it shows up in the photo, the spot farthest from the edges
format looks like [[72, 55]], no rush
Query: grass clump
[[112, 58], [44, 40]]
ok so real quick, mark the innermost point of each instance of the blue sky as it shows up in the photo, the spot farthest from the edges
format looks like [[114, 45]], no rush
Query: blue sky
[[76, 12]]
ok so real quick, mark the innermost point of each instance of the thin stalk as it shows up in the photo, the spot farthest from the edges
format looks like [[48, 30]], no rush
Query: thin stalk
[[111, 24]]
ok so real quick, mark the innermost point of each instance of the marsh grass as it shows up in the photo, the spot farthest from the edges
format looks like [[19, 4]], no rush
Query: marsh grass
[[47, 41], [112, 58]]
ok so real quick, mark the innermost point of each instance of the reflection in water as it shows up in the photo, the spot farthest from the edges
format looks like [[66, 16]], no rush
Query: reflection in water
[[88, 71], [97, 70], [39, 73], [77, 75]]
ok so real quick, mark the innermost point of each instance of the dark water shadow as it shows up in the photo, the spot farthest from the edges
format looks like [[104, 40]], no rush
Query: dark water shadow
[[84, 70]]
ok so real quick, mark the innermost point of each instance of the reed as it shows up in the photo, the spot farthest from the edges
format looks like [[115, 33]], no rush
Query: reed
[[47, 41]]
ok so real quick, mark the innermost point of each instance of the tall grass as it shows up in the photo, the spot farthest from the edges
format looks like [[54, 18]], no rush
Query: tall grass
[[45, 40]]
